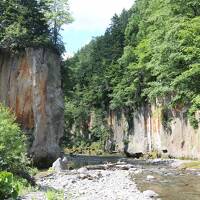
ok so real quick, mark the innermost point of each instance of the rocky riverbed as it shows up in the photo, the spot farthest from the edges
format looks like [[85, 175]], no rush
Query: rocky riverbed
[[114, 183], [114, 178]]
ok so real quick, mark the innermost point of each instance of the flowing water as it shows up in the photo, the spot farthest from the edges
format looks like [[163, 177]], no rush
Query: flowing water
[[170, 184]]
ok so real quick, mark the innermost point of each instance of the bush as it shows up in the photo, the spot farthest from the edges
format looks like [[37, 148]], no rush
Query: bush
[[12, 143], [7, 187], [54, 195], [96, 148], [192, 112], [23, 186]]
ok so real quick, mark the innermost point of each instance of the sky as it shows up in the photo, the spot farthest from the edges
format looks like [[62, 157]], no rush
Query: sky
[[91, 18]]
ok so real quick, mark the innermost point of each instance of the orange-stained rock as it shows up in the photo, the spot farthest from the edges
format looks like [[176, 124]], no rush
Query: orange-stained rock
[[30, 84]]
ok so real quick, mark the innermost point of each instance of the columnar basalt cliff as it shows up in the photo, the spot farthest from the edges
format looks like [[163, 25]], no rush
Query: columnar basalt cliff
[[30, 84], [151, 129]]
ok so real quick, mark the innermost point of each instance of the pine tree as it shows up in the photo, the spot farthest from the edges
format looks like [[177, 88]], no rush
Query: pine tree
[[23, 24]]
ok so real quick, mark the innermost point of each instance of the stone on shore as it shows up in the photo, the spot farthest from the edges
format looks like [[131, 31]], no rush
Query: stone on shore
[[150, 177], [86, 184], [57, 165], [150, 193]]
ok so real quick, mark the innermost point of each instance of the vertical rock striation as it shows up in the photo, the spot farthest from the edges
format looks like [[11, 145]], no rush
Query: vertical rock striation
[[30, 84], [149, 129]]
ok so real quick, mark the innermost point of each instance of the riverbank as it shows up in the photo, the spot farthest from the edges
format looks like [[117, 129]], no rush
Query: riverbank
[[86, 184], [117, 178]]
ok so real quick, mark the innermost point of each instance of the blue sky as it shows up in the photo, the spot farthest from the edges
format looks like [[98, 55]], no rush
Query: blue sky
[[92, 17]]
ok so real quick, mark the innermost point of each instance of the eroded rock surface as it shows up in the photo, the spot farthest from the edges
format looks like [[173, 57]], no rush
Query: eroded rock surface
[[145, 130], [30, 84]]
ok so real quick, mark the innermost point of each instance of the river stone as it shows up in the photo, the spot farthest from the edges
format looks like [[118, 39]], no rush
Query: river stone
[[150, 193], [124, 167], [84, 176], [132, 169], [82, 170], [149, 177], [57, 165], [139, 171]]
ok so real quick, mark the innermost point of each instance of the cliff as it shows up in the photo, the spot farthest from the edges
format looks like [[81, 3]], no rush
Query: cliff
[[30, 84], [151, 128]]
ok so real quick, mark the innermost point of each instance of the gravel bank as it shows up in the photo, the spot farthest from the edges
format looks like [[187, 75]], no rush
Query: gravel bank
[[86, 184]]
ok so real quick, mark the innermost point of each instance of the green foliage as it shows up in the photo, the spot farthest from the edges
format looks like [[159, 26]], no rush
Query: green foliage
[[23, 24], [57, 15], [8, 189], [148, 54], [153, 155], [13, 156], [12, 143], [87, 84], [162, 56], [193, 110], [29, 23], [78, 135], [54, 195], [99, 133]]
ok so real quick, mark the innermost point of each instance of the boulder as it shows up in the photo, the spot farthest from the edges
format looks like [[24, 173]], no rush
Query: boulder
[[57, 165], [150, 193]]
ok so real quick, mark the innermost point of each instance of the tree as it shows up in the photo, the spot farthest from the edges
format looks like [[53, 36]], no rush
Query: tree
[[90, 72], [33, 23], [23, 24], [57, 15], [150, 52]]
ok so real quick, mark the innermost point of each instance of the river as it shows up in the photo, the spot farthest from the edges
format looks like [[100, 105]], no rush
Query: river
[[126, 179], [170, 183]]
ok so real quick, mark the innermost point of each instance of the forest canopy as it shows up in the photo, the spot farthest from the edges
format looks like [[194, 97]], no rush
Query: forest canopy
[[33, 23], [149, 53]]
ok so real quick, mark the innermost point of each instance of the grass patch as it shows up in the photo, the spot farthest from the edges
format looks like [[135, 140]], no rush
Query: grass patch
[[152, 155], [191, 165], [54, 195]]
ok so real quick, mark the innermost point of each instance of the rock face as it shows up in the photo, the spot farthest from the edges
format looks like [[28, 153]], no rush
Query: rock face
[[30, 84], [151, 129]]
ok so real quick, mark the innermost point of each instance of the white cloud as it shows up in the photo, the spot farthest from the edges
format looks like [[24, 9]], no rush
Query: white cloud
[[92, 17], [95, 14]]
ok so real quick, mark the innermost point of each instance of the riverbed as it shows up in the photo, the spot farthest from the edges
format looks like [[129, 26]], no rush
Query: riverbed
[[118, 178]]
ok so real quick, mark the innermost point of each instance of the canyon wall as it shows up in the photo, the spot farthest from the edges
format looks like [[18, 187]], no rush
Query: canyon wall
[[30, 84], [150, 129]]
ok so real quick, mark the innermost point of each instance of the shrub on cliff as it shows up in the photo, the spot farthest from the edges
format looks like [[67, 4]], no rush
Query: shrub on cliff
[[12, 143]]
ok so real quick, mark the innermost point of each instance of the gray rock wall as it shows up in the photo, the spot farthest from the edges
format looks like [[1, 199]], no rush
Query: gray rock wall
[[146, 132], [30, 84]]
